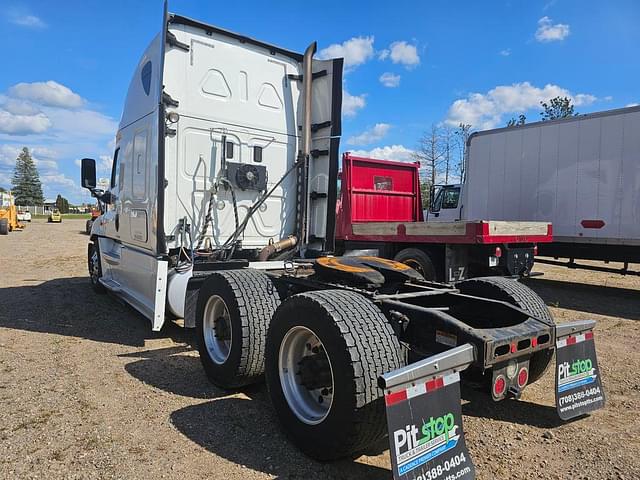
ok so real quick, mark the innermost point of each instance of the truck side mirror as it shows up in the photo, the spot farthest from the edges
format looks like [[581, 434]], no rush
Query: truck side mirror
[[434, 200], [88, 173]]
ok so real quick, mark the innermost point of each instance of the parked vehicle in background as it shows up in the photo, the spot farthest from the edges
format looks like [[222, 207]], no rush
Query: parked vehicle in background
[[380, 213], [580, 173], [95, 213], [8, 214], [24, 215], [55, 216]]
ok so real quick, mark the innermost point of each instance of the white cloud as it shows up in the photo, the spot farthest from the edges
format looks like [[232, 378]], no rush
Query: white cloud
[[584, 99], [18, 107], [48, 93], [487, 110], [632, 105], [389, 79], [355, 51], [30, 21], [374, 134], [72, 131], [403, 53], [506, 52], [352, 103], [23, 124], [85, 123], [388, 152], [548, 32]]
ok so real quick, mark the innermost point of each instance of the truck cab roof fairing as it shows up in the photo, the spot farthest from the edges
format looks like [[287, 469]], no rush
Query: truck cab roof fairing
[[143, 93], [179, 19]]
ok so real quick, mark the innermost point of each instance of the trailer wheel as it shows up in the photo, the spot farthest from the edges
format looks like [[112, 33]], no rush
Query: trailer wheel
[[507, 290], [233, 313], [419, 261], [325, 351], [4, 226]]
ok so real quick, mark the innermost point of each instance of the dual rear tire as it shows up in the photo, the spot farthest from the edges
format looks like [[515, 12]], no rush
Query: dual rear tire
[[321, 353]]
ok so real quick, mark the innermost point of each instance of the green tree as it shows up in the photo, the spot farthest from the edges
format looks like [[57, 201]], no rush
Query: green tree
[[62, 204], [2, 190], [558, 107], [27, 188], [522, 119], [425, 192]]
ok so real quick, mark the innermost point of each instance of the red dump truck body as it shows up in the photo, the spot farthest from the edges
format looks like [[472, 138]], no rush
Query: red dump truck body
[[380, 209]]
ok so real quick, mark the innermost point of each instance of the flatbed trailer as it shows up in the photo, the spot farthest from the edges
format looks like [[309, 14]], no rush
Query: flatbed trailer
[[185, 236], [380, 212]]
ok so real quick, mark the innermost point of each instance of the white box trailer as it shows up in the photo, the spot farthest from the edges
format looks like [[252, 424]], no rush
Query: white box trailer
[[582, 174]]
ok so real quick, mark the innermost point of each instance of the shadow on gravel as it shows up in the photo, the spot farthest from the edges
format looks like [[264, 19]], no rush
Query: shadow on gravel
[[246, 432], [512, 411], [173, 370], [70, 307], [598, 299]]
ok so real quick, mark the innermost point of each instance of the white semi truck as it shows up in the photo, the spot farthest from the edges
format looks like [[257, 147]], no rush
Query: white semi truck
[[221, 212], [581, 174]]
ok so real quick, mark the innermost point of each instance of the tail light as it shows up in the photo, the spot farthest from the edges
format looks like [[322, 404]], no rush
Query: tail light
[[498, 252], [499, 386], [535, 250], [523, 377]]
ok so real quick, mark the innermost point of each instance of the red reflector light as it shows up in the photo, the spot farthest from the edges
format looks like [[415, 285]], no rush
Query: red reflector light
[[523, 377], [393, 398], [535, 250], [592, 223], [588, 335], [534, 342], [571, 340], [498, 252], [514, 348], [499, 386]]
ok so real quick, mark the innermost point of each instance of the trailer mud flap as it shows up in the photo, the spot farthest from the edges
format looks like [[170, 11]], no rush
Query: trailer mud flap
[[578, 382], [424, 417]]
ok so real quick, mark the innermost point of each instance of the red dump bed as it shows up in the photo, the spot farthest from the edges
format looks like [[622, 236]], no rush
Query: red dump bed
[[380, 201]]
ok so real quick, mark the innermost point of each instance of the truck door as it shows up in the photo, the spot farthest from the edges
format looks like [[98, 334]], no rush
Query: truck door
[[110, 246], [446, 204]]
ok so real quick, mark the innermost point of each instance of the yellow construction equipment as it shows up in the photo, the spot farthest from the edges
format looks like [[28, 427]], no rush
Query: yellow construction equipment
[[8, 214]]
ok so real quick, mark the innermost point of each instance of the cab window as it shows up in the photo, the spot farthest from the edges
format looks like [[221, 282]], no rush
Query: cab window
[[115, 170], [450, 197]]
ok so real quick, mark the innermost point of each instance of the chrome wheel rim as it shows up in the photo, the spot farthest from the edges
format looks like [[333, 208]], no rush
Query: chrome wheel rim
[[306, 375], [94, 267], [217, 329]]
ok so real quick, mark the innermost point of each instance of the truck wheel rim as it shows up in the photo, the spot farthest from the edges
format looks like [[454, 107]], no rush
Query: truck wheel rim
[[217, 329], [95, 269], [306, 375]]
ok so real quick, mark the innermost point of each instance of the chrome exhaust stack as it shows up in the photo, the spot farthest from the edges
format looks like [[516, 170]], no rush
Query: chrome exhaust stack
[[305, 151]]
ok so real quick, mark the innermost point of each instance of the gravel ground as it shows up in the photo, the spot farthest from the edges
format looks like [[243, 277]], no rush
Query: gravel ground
[[88, 391]]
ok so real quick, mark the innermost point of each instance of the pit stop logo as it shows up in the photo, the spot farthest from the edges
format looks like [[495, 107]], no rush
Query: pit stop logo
[[414, 446], [576, 374]]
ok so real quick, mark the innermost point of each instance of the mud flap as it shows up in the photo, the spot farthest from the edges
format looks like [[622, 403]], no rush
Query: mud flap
[[578, 383], [424, 417]]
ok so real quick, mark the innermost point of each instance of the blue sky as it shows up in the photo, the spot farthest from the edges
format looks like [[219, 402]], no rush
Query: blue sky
[[67, 65]]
